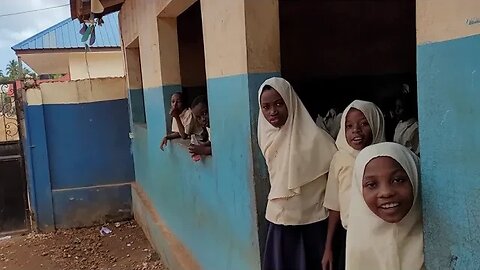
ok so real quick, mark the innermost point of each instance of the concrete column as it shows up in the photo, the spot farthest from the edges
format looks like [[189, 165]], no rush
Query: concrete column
[[242, 49], [448, 59]]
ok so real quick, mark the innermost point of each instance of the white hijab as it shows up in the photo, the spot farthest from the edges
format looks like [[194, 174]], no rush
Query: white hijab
[[298, 152], [375, 119], [373, 243]]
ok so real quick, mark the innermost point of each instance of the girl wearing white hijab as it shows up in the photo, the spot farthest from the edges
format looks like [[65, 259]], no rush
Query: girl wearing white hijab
[[298, 155], [362, 124], [385, 226]]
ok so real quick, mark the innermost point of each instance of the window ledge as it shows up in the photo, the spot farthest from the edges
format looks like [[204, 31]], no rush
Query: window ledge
[[182, 142], [185, 143]]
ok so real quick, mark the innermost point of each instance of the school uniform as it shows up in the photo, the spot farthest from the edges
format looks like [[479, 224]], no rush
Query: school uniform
[[189, 123], [298, 156], [406, 134], [373, 243], [332, 122], [339, 182]]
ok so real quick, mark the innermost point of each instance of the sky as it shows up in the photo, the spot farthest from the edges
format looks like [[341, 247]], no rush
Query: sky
[[17, 28]]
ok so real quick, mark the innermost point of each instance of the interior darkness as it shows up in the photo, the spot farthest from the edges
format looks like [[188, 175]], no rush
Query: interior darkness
[[191, 53], [335, 51]]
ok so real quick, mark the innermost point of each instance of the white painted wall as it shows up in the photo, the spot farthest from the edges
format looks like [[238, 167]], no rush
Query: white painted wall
[[100, 65], [75, 92]]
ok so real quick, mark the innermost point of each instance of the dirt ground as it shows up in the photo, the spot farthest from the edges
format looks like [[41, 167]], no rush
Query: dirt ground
[[125, 248]]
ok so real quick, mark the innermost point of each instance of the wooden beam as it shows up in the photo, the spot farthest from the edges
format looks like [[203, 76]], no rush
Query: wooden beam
[[81, 9], [110, 3], [173, 8]]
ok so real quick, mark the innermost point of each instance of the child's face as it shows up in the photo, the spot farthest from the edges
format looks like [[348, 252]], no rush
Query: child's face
[[399, 109], [273, 107], [357, 130], [176, 102], [387, 189], [201, 114]]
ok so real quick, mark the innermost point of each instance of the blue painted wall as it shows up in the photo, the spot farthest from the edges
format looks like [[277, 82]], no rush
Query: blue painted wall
[[210, 206], [37, 163], [88, 144], [81, 162], [449, 95]]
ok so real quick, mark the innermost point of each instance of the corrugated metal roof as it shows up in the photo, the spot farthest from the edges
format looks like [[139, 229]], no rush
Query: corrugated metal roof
[[64, 35]]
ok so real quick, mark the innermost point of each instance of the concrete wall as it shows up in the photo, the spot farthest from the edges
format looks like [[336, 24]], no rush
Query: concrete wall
[[448, 86], [79, 161], [100, 65], [209, 215], [203, 215]]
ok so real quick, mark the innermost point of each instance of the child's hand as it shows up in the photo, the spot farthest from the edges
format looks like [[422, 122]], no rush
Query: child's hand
[[164, 143], [198, 150], [174, 112], [327, 259], [194, 149]]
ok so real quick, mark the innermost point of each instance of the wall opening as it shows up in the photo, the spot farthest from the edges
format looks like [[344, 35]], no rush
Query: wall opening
[[135, 84], [336, 51], [191, 53]]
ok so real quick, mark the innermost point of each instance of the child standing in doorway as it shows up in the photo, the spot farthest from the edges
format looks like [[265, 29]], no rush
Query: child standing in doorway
[[385, 226], [183, 120], [406, 131], [298, 155], [362, 124]]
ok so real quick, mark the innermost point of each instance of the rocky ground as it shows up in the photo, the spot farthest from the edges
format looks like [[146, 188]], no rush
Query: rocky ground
[[124, 248]]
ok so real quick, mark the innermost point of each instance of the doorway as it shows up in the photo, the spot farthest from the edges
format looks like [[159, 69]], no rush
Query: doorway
[[13, 188]]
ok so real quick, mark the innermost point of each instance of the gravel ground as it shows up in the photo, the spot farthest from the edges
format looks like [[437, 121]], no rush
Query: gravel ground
[[125, 248]]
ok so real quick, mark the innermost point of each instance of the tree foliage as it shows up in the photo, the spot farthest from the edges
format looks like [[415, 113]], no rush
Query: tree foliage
[[12, 72]]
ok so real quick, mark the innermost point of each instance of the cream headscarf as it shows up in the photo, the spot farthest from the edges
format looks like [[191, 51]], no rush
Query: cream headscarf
[[375, 119], [373, 243], [298, 152]]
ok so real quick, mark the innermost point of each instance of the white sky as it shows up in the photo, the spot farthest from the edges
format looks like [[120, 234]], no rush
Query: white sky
[[16, 28]]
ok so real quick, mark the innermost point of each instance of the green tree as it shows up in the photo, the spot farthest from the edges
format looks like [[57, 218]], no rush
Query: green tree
[[3, 78], [12, 69]]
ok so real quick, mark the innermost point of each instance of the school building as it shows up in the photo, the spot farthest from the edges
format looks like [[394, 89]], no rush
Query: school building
[[210, 214]]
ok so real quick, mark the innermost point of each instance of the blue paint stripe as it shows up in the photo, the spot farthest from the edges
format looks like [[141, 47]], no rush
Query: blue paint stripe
[[449, 83]]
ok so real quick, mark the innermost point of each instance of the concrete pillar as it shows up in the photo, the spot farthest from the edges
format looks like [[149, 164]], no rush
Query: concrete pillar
[[448, 58], [242, 49]]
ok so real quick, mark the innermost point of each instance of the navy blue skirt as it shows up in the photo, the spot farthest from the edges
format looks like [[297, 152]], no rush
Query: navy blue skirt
[[339, 247], [297, 247]]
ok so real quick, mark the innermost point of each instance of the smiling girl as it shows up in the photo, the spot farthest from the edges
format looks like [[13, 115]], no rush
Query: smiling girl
[[362, 124], [385, 229]]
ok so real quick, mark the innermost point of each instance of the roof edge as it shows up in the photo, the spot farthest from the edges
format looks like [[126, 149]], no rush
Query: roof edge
[[17, 46]]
